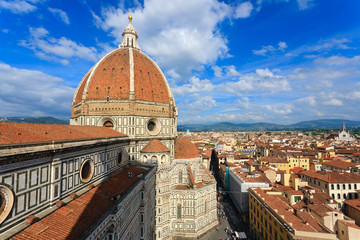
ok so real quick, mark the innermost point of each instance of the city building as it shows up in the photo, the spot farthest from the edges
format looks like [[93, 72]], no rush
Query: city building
[[339, 185], [272, 217], [278, 162], [240, 182]]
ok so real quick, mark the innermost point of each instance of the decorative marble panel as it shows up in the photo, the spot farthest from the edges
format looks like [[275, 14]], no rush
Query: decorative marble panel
[[44, 174], [9, 180], [43, 193], [20, 203], [32, 198], [63, 184], [34, 177], [21, 181], [76, 164], [71, 180], [76, 179], [71, 166], [64, 168]]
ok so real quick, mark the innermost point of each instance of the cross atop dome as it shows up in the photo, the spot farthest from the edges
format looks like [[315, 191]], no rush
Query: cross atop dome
[[129, 36]]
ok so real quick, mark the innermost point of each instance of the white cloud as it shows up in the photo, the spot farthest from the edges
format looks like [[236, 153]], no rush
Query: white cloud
[[194, 86], [202, 103], [243, 10], [217, 71], [329, 44], [334, 102], [179, 35], [60, 14], [310, 100], [18, 6], [305, 4], [285, 109], [53, 49], [227, 71], [261, 80], [28, 92], [271, 49], [243, 103], [338, 60]]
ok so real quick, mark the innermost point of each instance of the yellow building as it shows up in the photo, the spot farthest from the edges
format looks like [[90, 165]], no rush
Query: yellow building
[[278, 162], [298, 161], [271, 217]]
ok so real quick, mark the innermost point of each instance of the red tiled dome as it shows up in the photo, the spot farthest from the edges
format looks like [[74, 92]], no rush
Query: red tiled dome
[[185, 149], [111, 77], [155, 146]]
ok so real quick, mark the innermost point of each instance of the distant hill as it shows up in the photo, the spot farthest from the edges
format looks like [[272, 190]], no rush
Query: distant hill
[[262, 126], [326, 123], [223, 126], [49, 120]]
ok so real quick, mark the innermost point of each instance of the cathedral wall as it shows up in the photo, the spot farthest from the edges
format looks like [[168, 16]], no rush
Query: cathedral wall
[[184, 208], [133, 216], [40, 179], [131, 125]]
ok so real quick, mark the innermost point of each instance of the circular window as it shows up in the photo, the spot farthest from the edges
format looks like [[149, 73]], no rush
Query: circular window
[[6, 202], [87, 170], [153, 126]]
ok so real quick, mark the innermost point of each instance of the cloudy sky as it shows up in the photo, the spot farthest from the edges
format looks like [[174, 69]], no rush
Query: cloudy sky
[[278, 61]]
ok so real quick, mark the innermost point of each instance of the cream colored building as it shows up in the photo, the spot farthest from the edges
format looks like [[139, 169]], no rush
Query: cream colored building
[[339, 185]]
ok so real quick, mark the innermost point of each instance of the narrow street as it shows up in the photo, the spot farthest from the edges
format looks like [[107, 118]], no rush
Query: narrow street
[[229, 218]]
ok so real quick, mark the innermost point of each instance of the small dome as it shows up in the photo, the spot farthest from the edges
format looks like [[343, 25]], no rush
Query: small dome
[[185, 149], [155, 146]]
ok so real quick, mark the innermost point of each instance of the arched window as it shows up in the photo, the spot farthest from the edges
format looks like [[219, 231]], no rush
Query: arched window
[[333, 196], [180, 176], [132, 42], [349, 186], [127, 42], [344, 195], [163, 159], [338, 196], [178, 215], [153, 159]]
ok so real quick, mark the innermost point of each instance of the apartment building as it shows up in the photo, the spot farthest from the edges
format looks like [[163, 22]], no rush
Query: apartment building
[[339, 185]]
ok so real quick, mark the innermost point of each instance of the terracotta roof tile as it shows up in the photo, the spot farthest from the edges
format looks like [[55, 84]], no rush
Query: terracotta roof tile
[[340, 164], [185, 149], [155, 146], [111, 78], [334, 177], [22, 133], [273, 160], [355, 203]]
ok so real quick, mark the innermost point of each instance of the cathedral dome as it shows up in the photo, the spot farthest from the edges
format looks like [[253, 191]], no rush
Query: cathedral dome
[[125, 82], [185, 149], [121, 72]]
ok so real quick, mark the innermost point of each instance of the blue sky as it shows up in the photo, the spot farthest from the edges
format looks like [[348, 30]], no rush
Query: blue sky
[[278, 61]]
